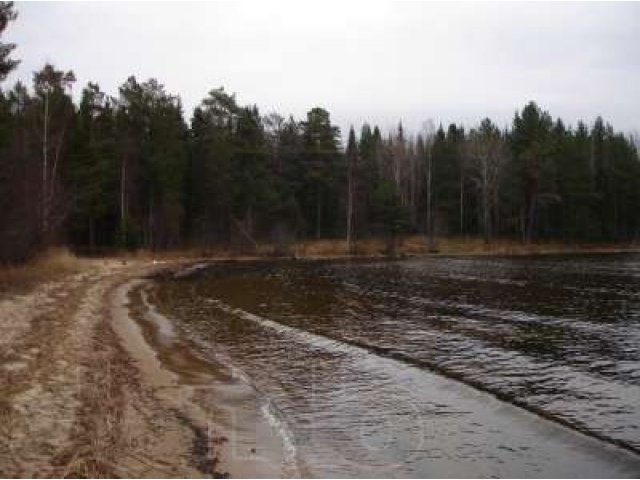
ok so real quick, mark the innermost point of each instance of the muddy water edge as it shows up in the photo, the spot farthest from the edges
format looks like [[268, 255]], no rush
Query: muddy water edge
[[424, 367], [230, 434]]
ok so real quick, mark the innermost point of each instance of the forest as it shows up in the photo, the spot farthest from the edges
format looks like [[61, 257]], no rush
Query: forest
[[135, 170]]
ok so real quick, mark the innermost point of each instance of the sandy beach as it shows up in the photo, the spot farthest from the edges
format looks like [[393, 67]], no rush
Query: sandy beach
[[81, 392]]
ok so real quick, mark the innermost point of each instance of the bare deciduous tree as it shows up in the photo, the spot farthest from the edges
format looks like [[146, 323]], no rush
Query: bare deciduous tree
[[487, 155], [53, 87], [428, 136]]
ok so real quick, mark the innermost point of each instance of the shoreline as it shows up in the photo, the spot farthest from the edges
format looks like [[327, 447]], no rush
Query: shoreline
[[91, 386], [82, 395], [409, 247], [224, 412]]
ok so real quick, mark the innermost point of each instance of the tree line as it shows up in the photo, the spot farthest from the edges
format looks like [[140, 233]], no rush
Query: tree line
[[131, 171]]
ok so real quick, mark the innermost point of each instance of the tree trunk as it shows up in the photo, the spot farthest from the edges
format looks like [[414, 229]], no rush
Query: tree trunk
[[92, 241], [461, 205], [431, 242], [123, 205], [318, 212], [531, 218], [45, 166], [486, 203], [486, 220], [123, 179], [150, 222], [349, 208]]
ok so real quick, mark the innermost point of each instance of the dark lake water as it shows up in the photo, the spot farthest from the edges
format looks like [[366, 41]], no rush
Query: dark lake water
[[464, 366]]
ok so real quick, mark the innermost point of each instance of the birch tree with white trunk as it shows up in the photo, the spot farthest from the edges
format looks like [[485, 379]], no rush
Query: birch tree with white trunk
[[487, 154], [53, 87]]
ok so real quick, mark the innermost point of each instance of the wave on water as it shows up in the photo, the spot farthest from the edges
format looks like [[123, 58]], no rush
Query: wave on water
[[164, 326], [357, 346], [280, 427], [268, 410], [270, 413]]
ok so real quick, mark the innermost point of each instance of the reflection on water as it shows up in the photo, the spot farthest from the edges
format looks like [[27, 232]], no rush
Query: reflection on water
[[358, 360]]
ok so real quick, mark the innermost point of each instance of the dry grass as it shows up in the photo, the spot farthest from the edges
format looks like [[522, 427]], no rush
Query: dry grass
[[375, 247], [98, 439], [55, 263], [418, 245], [477, 246], [320, 248], [48, 266]]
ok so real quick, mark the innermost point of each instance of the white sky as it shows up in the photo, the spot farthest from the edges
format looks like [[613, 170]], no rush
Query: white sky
[[370, 60]]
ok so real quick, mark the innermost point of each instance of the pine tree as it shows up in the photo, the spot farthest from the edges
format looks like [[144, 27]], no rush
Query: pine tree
[[318, 194], [7, 64]]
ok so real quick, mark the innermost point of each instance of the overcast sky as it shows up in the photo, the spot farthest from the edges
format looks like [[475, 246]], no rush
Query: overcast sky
[[376, 61]]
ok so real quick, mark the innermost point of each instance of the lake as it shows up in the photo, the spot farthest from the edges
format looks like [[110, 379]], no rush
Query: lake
[[428, 367]]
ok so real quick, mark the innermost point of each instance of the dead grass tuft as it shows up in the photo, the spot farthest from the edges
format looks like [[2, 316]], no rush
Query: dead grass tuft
[[97, 432], [48, 266], [320, 248]]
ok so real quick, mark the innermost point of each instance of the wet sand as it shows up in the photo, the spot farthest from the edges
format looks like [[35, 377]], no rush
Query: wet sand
[[82, 393], [216, 403]]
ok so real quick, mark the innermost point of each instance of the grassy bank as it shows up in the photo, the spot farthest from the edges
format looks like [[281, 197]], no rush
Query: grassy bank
[[418, 245], [56, 263], [379, 247]]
